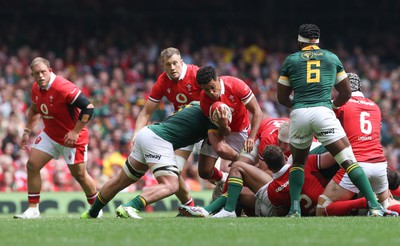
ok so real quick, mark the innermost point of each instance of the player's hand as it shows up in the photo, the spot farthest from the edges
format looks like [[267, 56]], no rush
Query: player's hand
[[23, 144], [248, 145], [70, 139]]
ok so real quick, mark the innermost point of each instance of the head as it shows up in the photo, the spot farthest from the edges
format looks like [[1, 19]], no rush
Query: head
[[308, 35], [283, 137], [41, 71], [208, 80], [274, 158], [172, 62], [355, 82], [393, 179]]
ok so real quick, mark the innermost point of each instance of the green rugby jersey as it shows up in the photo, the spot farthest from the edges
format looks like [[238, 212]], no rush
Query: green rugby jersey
[[312, 72], [186, 127]]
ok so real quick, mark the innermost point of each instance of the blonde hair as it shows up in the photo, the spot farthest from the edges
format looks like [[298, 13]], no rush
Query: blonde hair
[[283, 132], [168, 52], [38, 60]]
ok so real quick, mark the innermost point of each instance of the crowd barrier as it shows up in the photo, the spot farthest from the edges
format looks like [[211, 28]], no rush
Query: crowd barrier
[[75, 202]]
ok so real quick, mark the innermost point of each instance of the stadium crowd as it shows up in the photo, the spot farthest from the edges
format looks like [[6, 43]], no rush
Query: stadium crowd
[[117, 78]]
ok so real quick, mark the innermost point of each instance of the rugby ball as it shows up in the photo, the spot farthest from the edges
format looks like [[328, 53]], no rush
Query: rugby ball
[[214, 115]]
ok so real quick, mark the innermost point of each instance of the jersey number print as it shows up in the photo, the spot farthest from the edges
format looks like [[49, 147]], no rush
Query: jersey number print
[[313, 71]]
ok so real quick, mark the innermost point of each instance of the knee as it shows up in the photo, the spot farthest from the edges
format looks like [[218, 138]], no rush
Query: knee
[[323, 202], [32, 167]]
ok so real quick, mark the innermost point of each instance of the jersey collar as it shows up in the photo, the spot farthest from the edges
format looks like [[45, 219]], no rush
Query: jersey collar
[[52, 78], [357, 94], [311, 47], [222, 84], [281, 172]]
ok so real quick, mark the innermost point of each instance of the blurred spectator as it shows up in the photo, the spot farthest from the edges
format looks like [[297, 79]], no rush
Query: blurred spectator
[[117, 76]]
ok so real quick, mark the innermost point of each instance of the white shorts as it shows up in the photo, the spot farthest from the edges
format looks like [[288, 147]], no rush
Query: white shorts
[[376, 174], [195, 148], [254, 153], [235, 140], [263, 206], [150, 148], [318, 121], [71, 156]]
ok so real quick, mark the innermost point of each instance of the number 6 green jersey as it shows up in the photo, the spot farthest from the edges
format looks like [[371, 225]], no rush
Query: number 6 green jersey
[[312, 72]]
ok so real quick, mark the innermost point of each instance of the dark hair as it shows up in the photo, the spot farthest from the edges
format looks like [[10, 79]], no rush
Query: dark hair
[[310, 31], [205, 75], [274, 157], [393, 179]]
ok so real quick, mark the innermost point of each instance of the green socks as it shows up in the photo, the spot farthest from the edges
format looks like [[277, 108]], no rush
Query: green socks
[[138, 202], [235, 185], [360, 180], [296, 181], [217, 205], [97, 206]]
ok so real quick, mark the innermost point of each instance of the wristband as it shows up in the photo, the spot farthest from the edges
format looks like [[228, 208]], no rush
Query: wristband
[[27, 131]]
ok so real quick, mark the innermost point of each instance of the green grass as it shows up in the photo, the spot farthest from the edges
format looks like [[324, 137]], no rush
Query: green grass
[[166, 229]]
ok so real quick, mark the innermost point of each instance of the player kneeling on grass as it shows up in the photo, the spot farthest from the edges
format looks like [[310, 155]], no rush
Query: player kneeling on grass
[[154, 149]]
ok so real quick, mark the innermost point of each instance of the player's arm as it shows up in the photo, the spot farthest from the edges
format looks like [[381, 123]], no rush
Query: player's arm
[[31, 121], [254, 108], [283, 95], [87, 110], [144, 116], [344, 93], [223, 150]]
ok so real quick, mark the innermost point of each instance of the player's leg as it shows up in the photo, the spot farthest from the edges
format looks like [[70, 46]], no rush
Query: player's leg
[[168, 184], [76, 159], [296, 179], [183, 195], [248, 201], [242, 173], [334, 192], [37, 160], [41, 153], [207, 169], [343, 154], [127, 176], [301, 135], [159, 157]]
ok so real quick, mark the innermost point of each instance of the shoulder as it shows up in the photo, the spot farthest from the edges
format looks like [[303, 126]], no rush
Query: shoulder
[[230, 81], [330, 54], [162, 78], [62, 84]]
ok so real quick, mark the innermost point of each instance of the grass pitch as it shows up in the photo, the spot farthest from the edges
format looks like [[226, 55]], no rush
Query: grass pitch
[[166, 229]]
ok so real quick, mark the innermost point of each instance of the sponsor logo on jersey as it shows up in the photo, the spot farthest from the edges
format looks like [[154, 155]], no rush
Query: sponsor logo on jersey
[[307, 55], [45, 112], [181, 98], [362, 102], [283, 186], [151, 156], [365, 138], [302, 137]]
